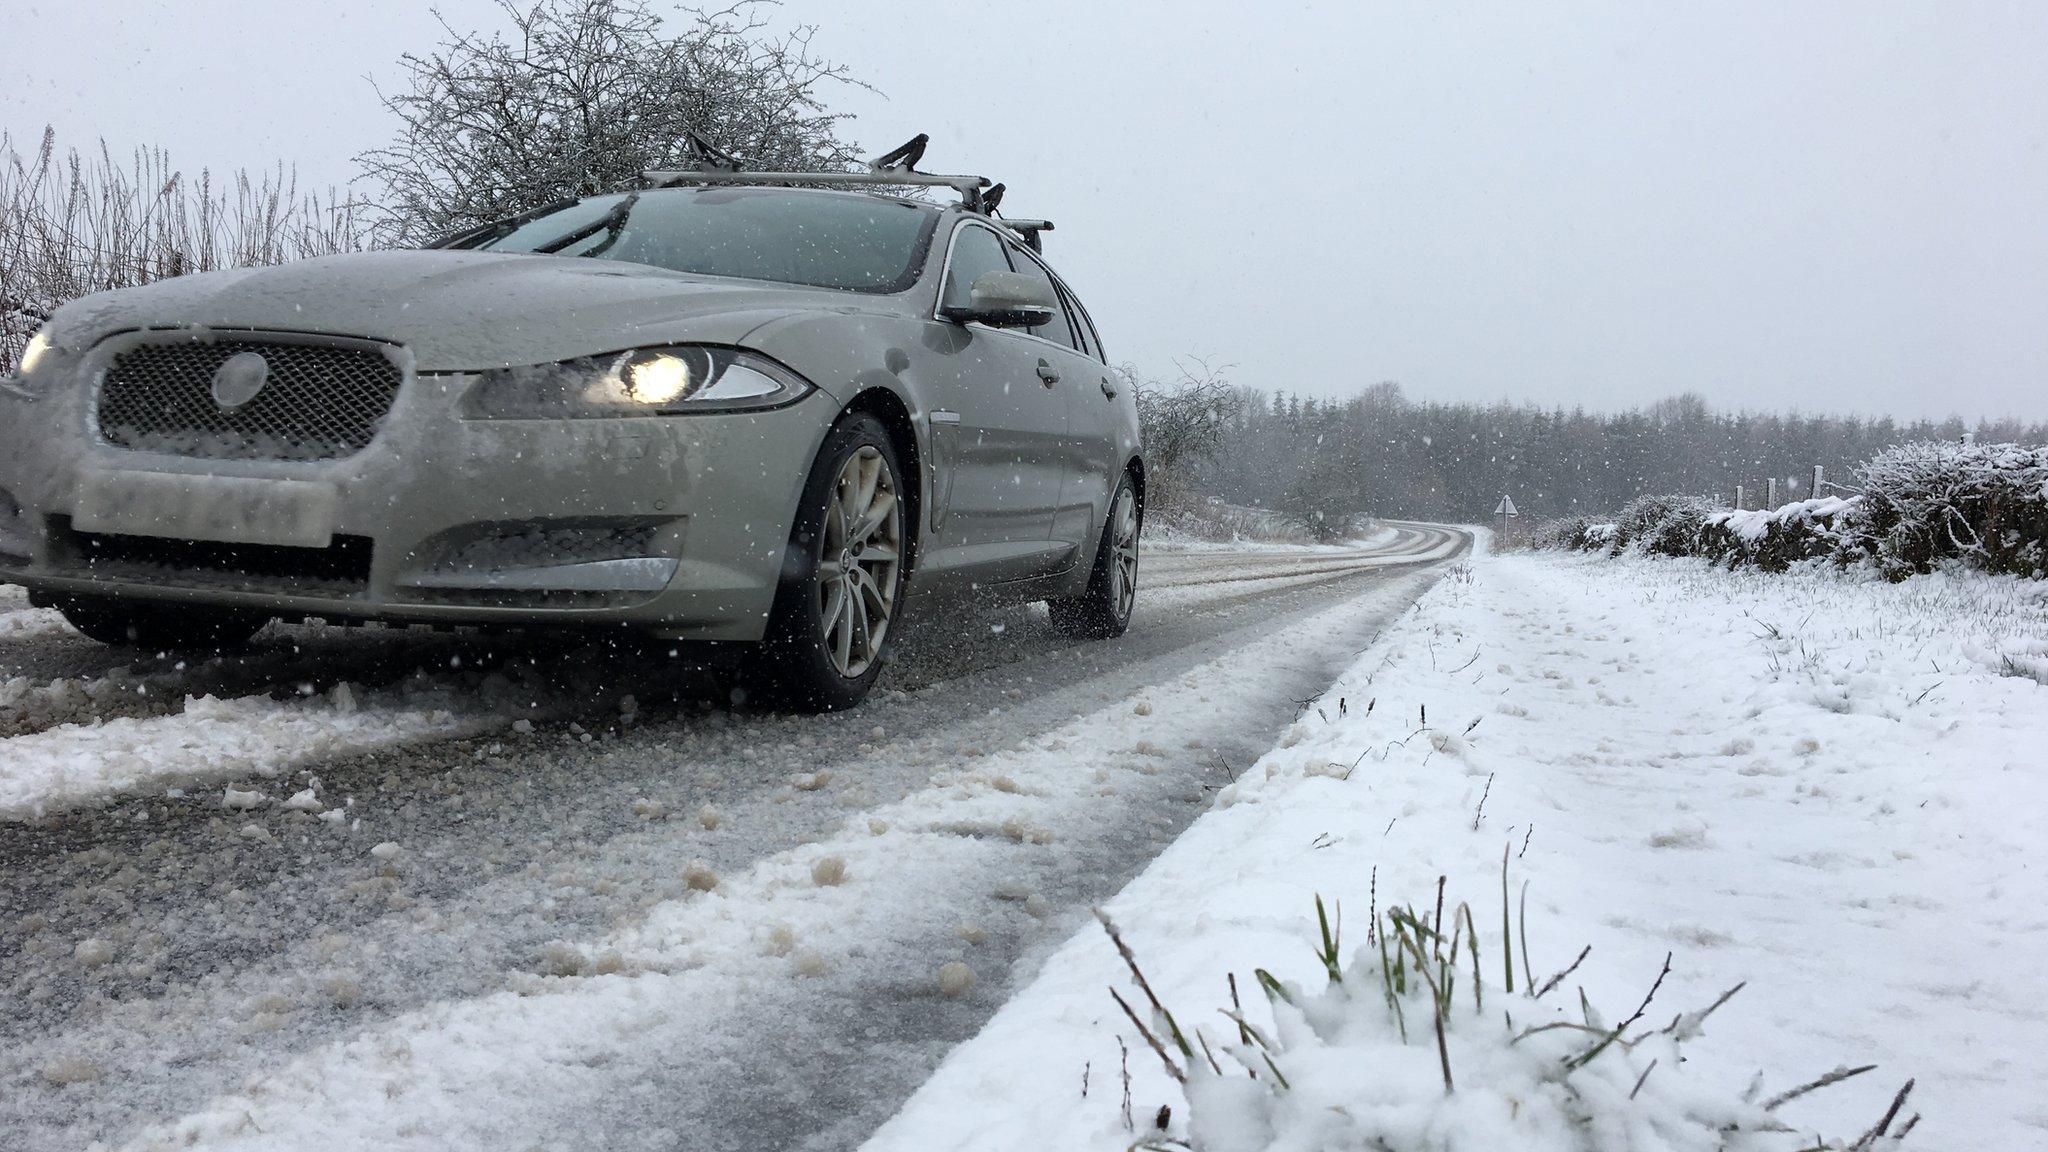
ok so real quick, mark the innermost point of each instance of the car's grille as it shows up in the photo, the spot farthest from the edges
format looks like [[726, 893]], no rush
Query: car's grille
[[340, 569], [317, 401]]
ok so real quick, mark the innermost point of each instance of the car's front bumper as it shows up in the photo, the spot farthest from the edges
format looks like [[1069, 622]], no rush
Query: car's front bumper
[[676, 525]]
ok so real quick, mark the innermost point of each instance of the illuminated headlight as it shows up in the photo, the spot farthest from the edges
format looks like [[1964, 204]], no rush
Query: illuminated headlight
[[38, 347], [645, 382]]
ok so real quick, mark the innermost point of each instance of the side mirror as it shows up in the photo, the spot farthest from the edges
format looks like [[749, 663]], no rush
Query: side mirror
[[1007, 300]]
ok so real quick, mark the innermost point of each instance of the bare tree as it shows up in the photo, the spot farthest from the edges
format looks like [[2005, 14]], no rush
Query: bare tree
[[582, 96], [72, 224], [1184, 420], [1328, 492]]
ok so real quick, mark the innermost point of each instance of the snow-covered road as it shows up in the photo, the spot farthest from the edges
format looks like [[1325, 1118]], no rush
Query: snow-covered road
[[626, 925]]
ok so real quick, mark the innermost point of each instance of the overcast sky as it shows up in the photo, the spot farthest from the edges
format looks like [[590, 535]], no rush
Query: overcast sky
[[1839, 206]]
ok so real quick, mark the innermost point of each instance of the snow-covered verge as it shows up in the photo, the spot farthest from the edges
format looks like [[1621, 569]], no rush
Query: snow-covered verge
[[1828, 791]]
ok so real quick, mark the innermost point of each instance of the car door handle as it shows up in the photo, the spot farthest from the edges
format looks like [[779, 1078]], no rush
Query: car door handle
[[1048, 373], [1107, 389]]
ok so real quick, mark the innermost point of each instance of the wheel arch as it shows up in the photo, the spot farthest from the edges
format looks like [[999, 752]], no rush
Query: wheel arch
[[889, 408], [1135, 468]]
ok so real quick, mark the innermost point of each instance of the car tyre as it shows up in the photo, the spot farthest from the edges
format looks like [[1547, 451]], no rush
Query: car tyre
[[843, 576], [161, 627], [1104, 609]]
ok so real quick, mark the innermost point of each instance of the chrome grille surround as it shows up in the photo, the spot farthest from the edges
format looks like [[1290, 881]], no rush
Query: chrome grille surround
[[324, 398]]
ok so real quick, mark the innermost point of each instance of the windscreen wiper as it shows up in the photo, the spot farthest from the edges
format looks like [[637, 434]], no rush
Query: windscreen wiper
[[611, 224], [499, 229]]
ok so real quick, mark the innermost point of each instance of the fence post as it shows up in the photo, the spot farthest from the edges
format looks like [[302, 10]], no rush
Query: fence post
[[1738, 497], [1817, 481], [1771, 493]]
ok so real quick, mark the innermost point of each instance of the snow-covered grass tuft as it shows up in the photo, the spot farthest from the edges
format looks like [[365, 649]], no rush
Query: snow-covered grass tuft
[[1420, 1043]]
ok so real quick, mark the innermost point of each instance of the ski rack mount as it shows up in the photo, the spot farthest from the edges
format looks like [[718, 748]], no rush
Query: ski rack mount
[[893, 169]]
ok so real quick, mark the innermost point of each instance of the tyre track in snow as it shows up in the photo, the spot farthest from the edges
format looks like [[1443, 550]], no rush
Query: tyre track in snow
[[228, 952], [1413, 543]]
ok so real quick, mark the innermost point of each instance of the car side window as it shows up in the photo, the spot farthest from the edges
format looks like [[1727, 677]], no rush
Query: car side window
[[1083, 326], [1060, 330], [1087, 324], [976, 251]]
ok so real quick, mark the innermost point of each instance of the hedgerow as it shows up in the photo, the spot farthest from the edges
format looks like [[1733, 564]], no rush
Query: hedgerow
[[1921, 505], [1775, 539], [1983, 504], [1572, 533], [1663, 525]]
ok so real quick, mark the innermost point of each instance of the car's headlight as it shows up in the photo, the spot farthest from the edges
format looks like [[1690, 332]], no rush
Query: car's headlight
[[644, 382], [39, 346]]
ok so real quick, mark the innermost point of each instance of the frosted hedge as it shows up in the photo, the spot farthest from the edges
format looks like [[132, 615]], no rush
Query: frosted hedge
[[1920, 505]]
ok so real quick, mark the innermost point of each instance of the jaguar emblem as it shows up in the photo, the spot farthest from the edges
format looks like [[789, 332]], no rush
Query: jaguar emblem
[[239, 379]]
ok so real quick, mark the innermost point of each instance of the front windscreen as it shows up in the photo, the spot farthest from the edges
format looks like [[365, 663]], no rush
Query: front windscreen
[[793, 236]]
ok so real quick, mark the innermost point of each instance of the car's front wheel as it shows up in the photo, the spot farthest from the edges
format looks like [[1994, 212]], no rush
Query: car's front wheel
[[161, 627], [1104, 609], [829, 635]]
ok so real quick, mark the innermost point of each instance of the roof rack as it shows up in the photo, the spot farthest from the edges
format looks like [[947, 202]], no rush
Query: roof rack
[[1028, 229], [893, 169]]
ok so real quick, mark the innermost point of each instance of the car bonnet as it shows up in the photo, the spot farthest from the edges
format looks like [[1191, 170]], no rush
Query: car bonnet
[[462, 311]]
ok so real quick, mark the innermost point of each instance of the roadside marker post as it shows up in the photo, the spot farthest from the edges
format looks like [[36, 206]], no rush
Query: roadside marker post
[[1506, 511]]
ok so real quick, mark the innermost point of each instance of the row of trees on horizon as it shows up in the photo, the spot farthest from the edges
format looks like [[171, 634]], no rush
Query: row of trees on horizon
[[1381, 452]]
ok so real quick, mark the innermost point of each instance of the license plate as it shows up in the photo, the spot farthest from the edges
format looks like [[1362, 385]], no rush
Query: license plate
[[225, 509]]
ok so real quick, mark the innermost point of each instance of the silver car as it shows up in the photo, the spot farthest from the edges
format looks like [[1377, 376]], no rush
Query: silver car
[[724, 408]]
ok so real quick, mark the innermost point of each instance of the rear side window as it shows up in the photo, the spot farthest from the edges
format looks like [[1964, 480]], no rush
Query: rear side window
[[1088, 325], [976, 252], [1083, 326]]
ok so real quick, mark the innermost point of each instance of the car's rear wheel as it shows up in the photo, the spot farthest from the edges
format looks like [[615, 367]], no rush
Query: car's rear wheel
[[829, 636], [163, 627], [1104, 609]]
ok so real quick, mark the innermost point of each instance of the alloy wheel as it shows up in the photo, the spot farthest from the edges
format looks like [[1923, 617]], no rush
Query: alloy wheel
[[858, 565], [1123, 569]]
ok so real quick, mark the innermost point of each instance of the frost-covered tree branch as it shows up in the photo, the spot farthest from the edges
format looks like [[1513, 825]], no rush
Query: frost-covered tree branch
[[581, 96]]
